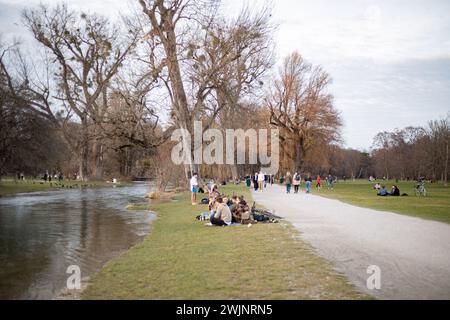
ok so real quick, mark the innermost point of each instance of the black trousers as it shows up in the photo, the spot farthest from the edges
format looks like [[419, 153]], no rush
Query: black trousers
[[217, 222]]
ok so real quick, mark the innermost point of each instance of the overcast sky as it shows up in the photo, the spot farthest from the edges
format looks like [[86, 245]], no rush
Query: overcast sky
[[389, 59]]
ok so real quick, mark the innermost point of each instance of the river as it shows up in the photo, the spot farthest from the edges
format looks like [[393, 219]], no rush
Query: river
[[43, 233]]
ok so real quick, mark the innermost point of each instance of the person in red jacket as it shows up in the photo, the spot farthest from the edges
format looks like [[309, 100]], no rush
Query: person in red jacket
[[318, 182]]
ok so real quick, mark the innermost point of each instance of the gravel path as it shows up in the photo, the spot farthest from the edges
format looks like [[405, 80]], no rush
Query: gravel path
[[413, 254]]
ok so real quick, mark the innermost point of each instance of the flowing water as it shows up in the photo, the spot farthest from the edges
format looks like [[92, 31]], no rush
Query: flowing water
[[43, 233]]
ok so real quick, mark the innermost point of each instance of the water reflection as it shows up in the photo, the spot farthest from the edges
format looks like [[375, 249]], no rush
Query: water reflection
[[41, 234]]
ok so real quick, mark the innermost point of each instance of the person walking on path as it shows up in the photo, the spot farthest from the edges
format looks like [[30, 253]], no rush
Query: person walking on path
[[296, 182], [261, 178], [255, 181], [194, 188], [308, 182], [288, 182]]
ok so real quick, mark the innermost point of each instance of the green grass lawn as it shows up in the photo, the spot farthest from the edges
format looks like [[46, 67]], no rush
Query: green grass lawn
[[435, 206], [183, 259], [10, 187]]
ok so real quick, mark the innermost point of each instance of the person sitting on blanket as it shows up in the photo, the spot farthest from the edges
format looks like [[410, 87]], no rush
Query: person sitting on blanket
[[233, 208], [226, 201], [234, 204], [213, 194], [201, 188], [213, 205], [243, 213], [222, 216], [383, 192], [395, 191]]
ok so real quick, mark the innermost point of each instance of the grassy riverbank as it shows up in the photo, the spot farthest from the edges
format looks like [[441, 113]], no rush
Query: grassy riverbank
[[10, 187], [183, 259], [435, 206]]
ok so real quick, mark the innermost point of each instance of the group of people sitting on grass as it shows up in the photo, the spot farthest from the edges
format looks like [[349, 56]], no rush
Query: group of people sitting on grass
[[382, 191], [224, 211]]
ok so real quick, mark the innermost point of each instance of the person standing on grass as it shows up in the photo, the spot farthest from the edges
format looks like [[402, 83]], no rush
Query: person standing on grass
[[330, 181], [296, 182], [308, 182], [194, 188], [318, 182], [288, 180], [248, 181], [261, 178]]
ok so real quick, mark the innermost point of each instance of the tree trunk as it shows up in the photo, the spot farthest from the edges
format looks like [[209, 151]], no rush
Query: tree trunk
[[180, 107], [129, 166], [386, 172], [98, 161], [234, 171], [84, 163], [446, 167], [298, 154], [84, 156]]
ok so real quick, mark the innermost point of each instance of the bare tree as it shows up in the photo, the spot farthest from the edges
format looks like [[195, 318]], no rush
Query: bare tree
[[193, 52], [28, 141], [242, 79], [413, 152], [438, 134], [301, 107], [383, 142], [87, 51]]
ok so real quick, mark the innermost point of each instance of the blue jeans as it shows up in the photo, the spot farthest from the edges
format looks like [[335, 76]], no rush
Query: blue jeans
[[288, 188], [308, 186]]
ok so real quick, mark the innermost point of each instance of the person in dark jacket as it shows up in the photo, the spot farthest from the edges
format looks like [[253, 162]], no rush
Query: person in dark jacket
[[248, 181], [395, 191], [255, 181], [288, 182]]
